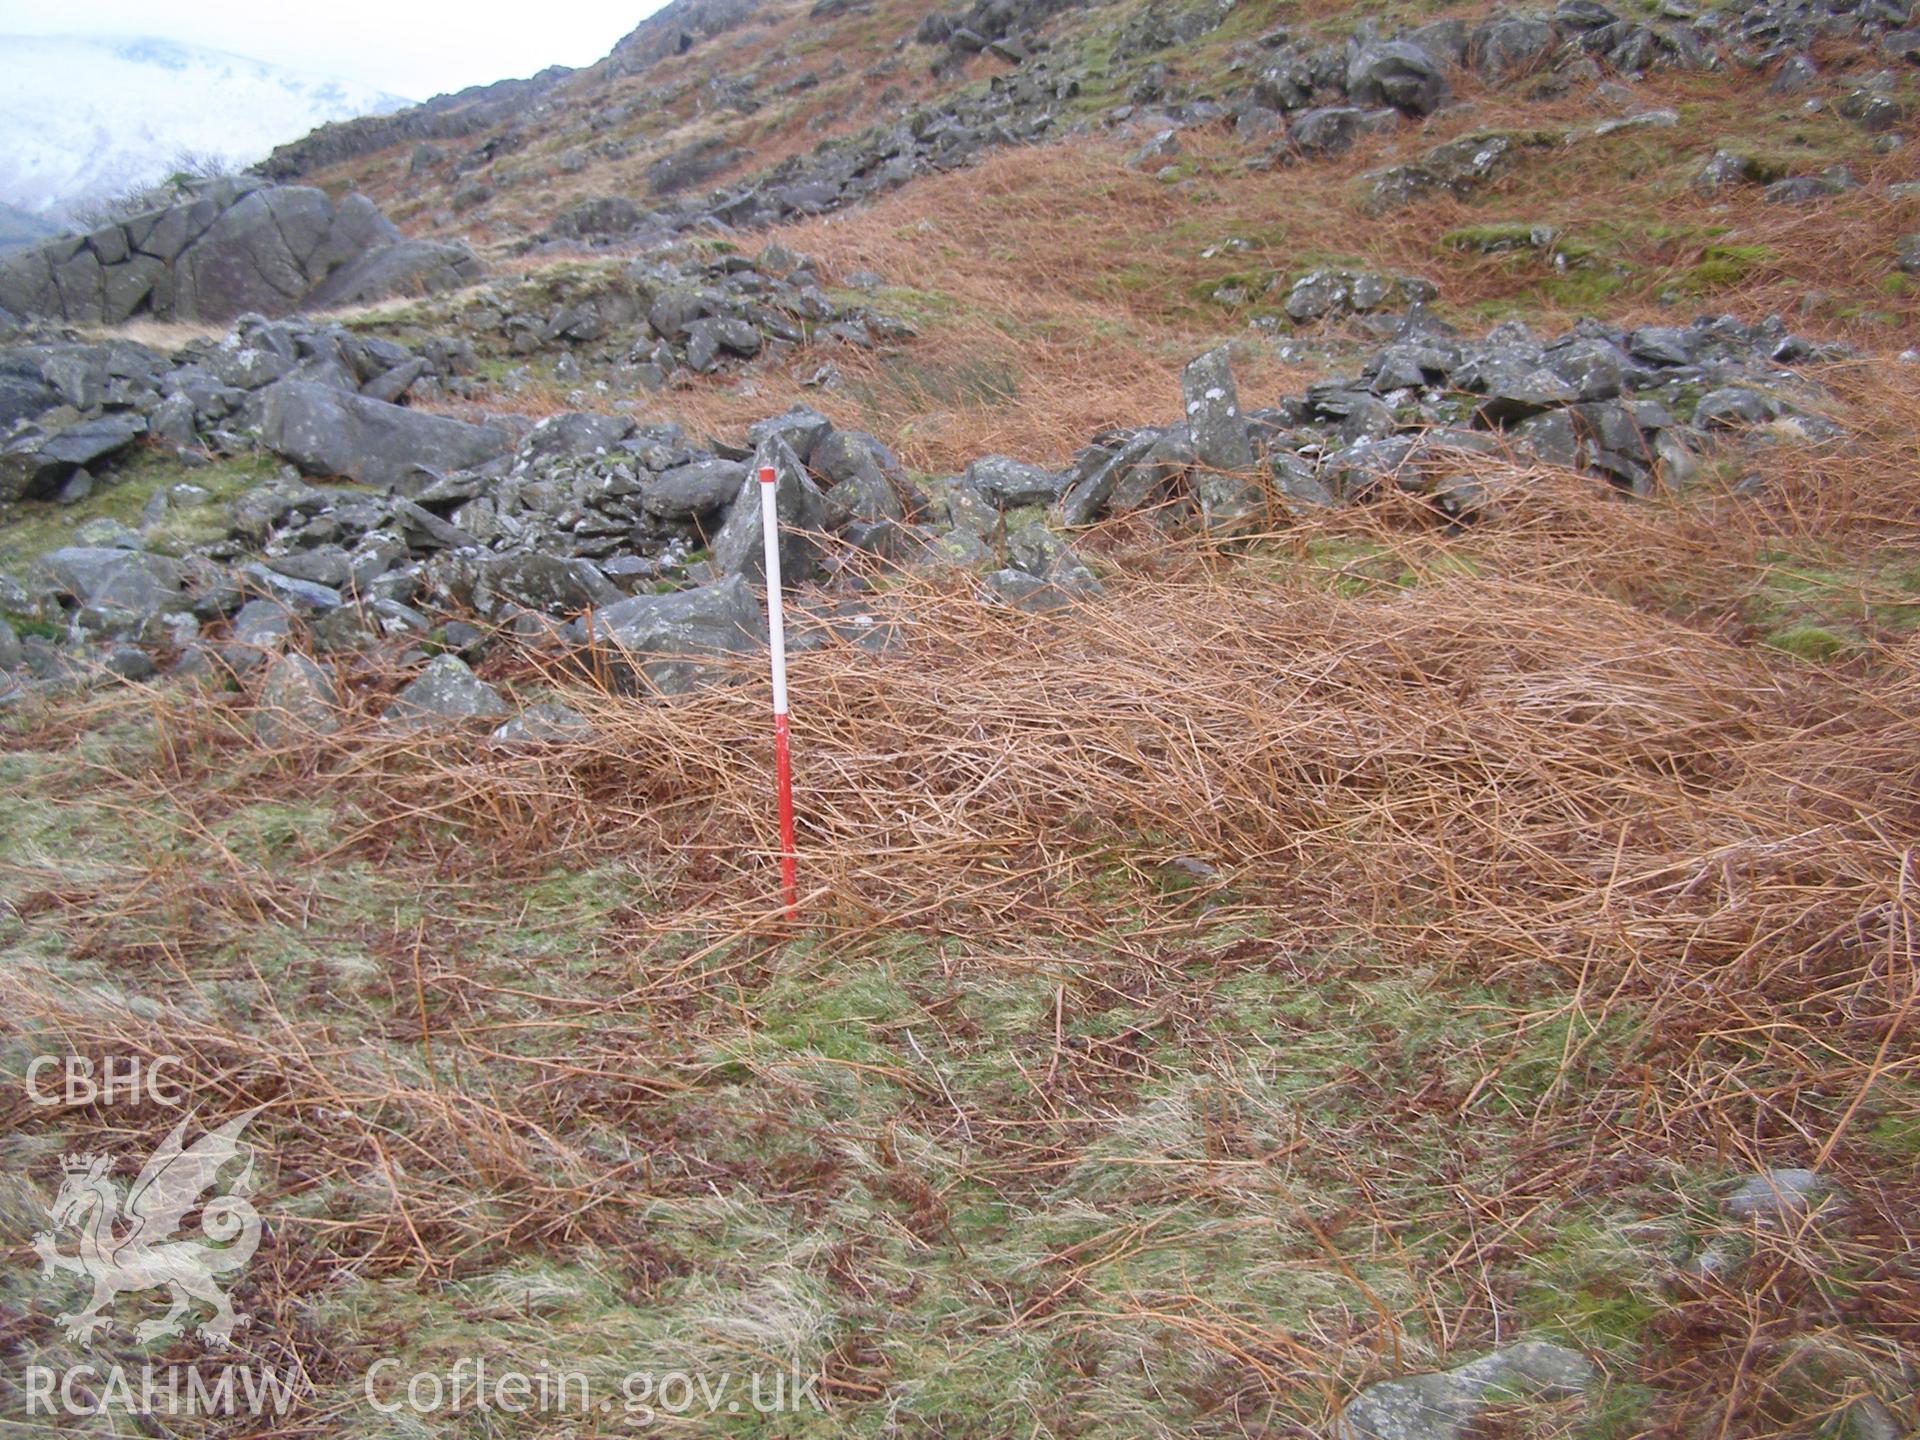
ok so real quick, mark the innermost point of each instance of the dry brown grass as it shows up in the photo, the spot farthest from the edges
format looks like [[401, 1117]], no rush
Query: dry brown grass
[[1059, 291], [1543, 761], [1565, 776]]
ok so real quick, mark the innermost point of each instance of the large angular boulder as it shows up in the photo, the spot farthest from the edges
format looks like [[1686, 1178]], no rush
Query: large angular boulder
[[697, 488], [326, 432], [551, 584], [1332, 129], [1508, 45], [33, 463], [603, 215], [668, 644], [128, 580], [24, 391], [740, 547], [579, 432]]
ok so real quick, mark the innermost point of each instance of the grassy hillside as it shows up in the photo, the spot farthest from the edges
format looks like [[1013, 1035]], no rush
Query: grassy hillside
[[1334, 952]]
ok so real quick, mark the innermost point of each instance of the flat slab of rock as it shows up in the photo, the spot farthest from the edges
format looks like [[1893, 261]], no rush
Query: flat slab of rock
[[327, 432], [1444, 1404], [1782, 1196]]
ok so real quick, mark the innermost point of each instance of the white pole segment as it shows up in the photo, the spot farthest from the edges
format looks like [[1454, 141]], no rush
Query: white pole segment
[[776, 614]]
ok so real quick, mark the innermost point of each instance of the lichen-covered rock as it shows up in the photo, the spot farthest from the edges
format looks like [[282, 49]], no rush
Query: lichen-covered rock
[[1443, 1405], [799, 507], [445, 693], [1332, 129], [668, 644], [1457, 168], [297, 701], [1007, 484], [551, 584], [698, 487], [1398, 73], [547, 723]]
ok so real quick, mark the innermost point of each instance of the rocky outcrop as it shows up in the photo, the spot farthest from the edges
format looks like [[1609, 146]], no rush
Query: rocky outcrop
[[238, 246], [675, 29], [445, 117]]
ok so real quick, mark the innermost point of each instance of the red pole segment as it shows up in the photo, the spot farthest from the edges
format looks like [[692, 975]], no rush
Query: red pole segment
[[777, 643]]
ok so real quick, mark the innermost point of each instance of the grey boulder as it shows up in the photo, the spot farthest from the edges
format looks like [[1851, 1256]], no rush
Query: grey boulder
[[551, 584], [1397, 73], [445, 693], [740, 547], [326, 432], [1507, 45], [693, 489], [297, 701], [1332, 129], [35, 466], [578, 433], [1445, 1404], [669, 644], [547, 723], [112, 579], [1008, 484]]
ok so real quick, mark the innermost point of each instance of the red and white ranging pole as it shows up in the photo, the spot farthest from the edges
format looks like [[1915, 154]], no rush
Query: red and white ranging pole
[[777, 638]]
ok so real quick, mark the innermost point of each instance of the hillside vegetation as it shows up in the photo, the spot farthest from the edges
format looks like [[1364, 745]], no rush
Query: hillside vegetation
[[1409, 867]]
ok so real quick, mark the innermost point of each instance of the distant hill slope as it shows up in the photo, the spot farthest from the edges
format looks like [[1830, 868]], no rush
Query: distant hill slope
[[83, 118], [18, 228]]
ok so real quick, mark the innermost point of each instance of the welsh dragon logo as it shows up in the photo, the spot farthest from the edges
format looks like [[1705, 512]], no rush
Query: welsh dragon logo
[[133, 1248]]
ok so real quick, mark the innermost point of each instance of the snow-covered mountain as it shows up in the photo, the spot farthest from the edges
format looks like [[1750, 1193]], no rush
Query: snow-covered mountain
[[83, 118]]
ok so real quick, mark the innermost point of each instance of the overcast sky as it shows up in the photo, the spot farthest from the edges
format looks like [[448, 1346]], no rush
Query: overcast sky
[[414, 48]]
